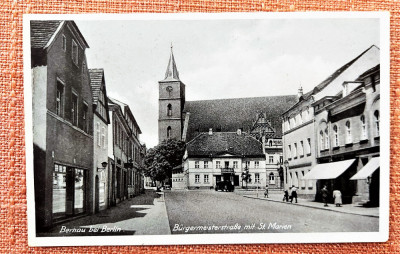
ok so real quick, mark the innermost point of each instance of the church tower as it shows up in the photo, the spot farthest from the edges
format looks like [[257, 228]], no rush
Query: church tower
[[170, 103]]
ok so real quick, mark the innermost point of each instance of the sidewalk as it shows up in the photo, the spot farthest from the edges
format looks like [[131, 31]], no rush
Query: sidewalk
[[348, 208], [142, 215]]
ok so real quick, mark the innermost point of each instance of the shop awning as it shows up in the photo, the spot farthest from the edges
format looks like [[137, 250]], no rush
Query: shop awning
[[328, 170], [367, 170]]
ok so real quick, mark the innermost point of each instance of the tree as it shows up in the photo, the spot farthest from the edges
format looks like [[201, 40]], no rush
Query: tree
[[163, 158]]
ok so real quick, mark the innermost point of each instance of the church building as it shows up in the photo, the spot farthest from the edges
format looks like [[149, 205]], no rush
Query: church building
[[225, 137]]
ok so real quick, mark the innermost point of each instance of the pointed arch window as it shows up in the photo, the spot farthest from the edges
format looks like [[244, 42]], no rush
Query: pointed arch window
[[169, 110], [363, 128], [348, 133], [335, 136], [169, 132], [376, 117]]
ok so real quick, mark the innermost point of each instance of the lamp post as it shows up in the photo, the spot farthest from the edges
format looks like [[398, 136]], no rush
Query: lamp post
[[286, 165], [104, 165]]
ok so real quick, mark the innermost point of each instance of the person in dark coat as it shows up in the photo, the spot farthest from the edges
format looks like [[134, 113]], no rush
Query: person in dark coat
[[286, 196], [293, 194], [266, 191], [325, 195]]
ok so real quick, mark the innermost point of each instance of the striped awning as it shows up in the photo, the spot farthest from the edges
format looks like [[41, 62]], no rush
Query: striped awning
[[372, 165], [330, 170]]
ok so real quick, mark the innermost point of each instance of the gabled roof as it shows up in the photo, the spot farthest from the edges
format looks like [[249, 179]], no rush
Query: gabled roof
[[228, 115], [171, 74], [96, 79], [44, 31], [221, 143], [330, 78], [369, 72], [124, 109]]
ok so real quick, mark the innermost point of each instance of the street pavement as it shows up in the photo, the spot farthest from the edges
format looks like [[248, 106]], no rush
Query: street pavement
[[141, 215], [208, 211]]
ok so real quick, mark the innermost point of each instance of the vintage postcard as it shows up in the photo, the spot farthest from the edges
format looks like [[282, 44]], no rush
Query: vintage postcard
[[207, 128]]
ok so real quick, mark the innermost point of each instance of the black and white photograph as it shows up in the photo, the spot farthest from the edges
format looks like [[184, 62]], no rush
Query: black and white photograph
[[207, 128]]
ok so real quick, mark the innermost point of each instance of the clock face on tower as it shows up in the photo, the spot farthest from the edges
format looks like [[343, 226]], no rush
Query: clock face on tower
[[169, 90]]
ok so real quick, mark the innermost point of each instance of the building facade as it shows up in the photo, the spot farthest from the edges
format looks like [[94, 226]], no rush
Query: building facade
[[101, 120], [62, 122], [302, 125], [124, 152], [227, 157]]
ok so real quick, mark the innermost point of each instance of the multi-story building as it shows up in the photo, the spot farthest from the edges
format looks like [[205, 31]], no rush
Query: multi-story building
[[124, 152], [226, 157], [100, 146], [301, 128], [347, 128], [62, 122], [186, 120]]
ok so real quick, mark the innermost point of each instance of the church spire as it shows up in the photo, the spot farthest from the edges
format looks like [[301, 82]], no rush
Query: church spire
[[172, 73]]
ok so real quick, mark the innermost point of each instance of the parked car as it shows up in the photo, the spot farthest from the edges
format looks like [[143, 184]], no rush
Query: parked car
[[224, 186]]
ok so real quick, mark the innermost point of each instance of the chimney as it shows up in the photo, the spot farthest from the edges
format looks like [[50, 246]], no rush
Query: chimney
[[300, 92], [239, 131], [210, 131]]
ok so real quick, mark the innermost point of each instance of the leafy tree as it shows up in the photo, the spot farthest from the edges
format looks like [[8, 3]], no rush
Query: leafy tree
[[160, 160]]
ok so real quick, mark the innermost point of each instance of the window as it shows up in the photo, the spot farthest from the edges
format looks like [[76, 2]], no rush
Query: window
[[103, 137], [271, 159], [205, 164], [226, 164], [247, 163], [59, 99], [326, 139], [289, 152], [196, 164], [257, 178], [235, 164], [303, 182], [169, 110], [363, 128], [301, 151], [335, 136], [321, 137], [64, 43], [308, 146], [169, 132], [74, 109], [197, 178], [218, 164], [85, 121], [74, 52], [98, 134], [271, 178], [348, 132], [281, 159], [205, 178], [376, 117], [295, 150], [256, 164]]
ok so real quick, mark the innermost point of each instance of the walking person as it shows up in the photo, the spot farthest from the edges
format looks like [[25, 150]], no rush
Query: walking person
[[266, 191], [285, 196], [337, 195], [325, 194], [293, 193]]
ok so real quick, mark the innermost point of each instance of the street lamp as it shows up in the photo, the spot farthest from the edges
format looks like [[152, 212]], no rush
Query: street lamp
[[104, 165]]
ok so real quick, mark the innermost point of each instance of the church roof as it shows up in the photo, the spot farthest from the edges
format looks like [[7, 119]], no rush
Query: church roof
[[228, 115], [221, 143], [96, 79], [171, 73]]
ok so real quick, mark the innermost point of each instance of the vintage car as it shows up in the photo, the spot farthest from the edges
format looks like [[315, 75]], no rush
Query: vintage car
[[224, 186]]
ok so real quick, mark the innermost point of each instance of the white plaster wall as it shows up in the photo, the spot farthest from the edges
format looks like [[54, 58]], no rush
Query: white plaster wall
[[39, 109]]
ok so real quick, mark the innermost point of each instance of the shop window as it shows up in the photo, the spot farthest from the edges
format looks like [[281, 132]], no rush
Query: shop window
[[59, 190]]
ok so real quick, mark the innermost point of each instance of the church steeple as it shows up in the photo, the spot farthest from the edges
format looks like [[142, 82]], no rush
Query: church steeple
[[172, 73]]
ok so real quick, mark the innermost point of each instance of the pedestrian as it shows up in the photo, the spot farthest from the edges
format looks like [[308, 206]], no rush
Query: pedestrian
[[266, 191], [293, 193], [325, 194], [337, 195], [285, 196]]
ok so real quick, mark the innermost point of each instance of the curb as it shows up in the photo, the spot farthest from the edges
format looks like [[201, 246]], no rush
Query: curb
[[321, 208]]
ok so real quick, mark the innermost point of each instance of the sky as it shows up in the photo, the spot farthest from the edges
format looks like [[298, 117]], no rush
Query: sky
[[219, 59]]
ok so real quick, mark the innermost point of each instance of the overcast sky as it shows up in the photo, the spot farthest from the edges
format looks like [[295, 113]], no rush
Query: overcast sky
[[220, 58]]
